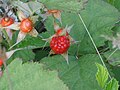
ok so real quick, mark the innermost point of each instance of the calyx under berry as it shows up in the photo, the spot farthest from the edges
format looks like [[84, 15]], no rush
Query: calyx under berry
[[61, 32], [60, 41]]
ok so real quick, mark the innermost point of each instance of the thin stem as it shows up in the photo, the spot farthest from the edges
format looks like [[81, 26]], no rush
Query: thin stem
[[112, 53], [93, 43], [8, 76], [6, 36]]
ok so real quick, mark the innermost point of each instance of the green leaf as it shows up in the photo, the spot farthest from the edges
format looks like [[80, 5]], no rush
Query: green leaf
[[116, 71], [30, 7], [113, 58], [102, 75], [73, 50], [115, 3], [25, 55], [30, 76], [24, 0], [31, 43], [39, 54], [79, 74], [112, 85], [65, 5], [99, 18]]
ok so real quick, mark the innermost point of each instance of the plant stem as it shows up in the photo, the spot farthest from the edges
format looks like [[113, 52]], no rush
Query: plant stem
[[8, 76], [112, 53], [93, 43], [6, 36]]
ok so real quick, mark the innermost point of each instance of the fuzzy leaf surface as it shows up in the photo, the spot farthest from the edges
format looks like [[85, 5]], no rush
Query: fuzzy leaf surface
[[112, 85], [31, 76], [102, 75], [79, 74], [99, 18]]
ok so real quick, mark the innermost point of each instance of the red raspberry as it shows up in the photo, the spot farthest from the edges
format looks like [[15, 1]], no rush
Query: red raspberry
[[1, 62], [60, 44]]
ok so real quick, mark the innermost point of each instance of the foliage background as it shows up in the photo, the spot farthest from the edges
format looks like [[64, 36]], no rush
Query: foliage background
[[102, 17]]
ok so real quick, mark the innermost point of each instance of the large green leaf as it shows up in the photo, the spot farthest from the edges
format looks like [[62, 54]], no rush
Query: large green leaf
[[102, 75], [39, 54], [31, 42], [79, 74], [30, 76], [30, 7], [116, 71], [65, 5], [25, 55], [115, 3], [99, 18], [112, 85]]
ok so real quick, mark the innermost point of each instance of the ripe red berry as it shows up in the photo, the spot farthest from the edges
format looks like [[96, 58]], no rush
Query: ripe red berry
[[60, 44], [1, 62], [26, 25], [6, 21]]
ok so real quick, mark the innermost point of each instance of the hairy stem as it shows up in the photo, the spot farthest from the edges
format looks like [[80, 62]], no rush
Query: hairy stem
[[93, 43], [8, 76], [6, 36], [112, 53]]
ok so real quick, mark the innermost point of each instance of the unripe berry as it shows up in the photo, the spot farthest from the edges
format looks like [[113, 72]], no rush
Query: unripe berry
[[6, 21], [26, 25]]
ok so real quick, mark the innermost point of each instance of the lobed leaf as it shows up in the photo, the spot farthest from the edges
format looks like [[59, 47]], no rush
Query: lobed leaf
[[30, 7], [102, 75], [30, 76], [99, 18], [65, 5], [31, 43], [112, 85], [79, 74]]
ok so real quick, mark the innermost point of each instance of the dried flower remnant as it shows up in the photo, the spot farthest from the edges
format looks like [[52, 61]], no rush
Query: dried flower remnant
[[56, 14], [115, 40]]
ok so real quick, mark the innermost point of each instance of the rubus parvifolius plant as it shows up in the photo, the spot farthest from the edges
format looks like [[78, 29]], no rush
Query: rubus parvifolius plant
[[37, 36]]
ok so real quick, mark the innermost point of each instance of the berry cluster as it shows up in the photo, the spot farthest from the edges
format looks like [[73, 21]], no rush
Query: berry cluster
[[60, 44]]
